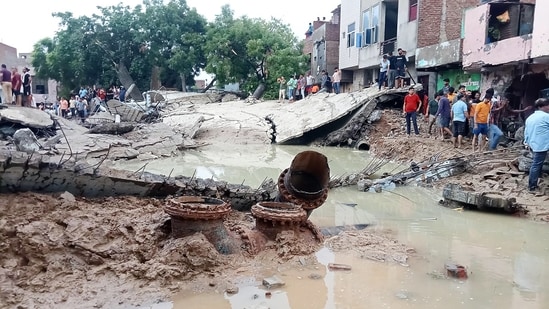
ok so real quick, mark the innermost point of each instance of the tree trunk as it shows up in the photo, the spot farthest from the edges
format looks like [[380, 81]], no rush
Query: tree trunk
[[127, 81], [209, 85], [155, 78], [260, 90], [183, 82]]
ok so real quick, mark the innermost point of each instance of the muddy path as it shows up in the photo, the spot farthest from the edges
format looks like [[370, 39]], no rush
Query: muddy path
[[64, 252]]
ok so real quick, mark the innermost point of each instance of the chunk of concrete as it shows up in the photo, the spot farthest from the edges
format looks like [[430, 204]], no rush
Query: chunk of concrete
[[29, 117], [273, 282], [67, 196], [25, 141]]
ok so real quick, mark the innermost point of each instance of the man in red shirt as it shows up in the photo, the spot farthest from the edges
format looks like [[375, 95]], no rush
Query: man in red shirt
[[412, 105], [16, 83]]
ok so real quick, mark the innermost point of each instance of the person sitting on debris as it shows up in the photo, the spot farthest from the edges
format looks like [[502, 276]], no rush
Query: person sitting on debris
[[536, 137]]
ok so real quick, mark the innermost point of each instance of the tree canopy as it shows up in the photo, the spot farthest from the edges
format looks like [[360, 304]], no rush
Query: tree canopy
[[251, 51], [124, 44]]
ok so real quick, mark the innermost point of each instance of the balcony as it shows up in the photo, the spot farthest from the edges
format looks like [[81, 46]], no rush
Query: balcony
[[497, 33], [438, 55]]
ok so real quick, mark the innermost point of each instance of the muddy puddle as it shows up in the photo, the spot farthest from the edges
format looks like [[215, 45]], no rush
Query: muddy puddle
[[507, 258]]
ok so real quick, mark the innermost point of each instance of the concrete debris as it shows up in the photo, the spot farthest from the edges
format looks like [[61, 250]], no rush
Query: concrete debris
[[127, 113], [525, 161], [28, 117], [335, 266], [480, 200], [232, 290], [116, 128], [457, 271], [273, 282], [26, 141], [68, 197]]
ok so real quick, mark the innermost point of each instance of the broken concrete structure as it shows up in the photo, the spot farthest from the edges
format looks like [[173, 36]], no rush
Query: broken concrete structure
[[21, 172], [511, 51], [480, 200]]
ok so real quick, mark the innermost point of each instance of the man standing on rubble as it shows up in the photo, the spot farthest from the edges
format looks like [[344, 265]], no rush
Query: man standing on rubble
[[536, 137], [412, 106], [5, 81]]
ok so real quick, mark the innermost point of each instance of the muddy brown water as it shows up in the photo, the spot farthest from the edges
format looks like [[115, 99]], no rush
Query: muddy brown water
[[507, 257]]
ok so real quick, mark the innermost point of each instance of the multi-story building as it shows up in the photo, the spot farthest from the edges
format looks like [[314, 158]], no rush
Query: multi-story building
[[371, 28], [439, 43], [43, 90], [508, 44], [322, 45]]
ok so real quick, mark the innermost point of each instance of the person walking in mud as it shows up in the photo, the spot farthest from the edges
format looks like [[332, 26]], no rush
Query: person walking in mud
[[444, 113], [410, 108], [536, 137]]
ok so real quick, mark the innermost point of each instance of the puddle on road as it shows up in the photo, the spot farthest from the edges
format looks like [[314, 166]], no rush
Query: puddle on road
[[507, 258]]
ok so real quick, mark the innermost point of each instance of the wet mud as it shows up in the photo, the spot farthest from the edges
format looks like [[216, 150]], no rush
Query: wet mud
[[60, 252]]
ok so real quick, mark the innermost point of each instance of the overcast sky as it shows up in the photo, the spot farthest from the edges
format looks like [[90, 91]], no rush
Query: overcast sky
[[29, 21]]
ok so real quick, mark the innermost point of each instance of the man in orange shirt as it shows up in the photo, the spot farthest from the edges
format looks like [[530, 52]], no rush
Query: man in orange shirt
[[480, 118], [412, 105]]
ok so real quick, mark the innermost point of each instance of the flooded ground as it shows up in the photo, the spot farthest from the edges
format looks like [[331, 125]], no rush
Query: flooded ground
[[507, 257]]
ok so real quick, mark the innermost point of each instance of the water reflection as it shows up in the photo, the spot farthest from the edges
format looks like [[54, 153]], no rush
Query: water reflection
[[507, 257]]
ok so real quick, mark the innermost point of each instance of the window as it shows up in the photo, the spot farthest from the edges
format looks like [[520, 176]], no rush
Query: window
[[351, 35], [370, 25], [412, 15]]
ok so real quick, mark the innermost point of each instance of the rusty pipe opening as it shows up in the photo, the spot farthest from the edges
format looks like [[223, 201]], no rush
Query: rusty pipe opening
[[308, 175], [305, 182]]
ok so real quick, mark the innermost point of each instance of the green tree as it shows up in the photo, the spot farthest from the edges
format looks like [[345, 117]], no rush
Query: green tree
[[174, 34], [250, 50]]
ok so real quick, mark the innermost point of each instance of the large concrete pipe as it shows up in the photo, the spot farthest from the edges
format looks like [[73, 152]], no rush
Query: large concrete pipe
[[305, 182]]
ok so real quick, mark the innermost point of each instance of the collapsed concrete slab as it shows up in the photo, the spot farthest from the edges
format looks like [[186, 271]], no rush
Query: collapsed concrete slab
[[243, 122], [28, 117], [20, 172]]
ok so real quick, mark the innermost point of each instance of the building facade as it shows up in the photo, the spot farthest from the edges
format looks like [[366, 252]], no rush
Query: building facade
[[371, 28], [508, 44], [439, 52], [322, 45]]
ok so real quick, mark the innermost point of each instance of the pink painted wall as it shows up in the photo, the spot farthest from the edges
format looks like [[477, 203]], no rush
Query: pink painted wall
[[476, 53], [540, 35]]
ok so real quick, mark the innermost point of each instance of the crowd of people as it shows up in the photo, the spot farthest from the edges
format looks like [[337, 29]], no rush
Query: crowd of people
[[297, 88], [16, 88], [462, 114]]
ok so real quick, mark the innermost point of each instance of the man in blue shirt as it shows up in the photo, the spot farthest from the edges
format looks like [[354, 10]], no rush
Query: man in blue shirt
[[459, 115], [536, 136]]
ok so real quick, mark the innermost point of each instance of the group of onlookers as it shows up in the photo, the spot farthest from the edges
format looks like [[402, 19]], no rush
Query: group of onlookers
[[392, 70], [297, 88], [465, 114], [16, 88]]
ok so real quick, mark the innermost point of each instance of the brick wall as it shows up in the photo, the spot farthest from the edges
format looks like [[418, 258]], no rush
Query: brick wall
[[435, 25]]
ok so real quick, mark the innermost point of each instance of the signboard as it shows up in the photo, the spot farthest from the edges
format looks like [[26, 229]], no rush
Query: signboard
[[471, 81]]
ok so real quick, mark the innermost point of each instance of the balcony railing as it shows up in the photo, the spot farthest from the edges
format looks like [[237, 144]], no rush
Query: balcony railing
[[388, 46]]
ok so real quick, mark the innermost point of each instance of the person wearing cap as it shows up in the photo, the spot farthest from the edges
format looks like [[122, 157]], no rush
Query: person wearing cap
[[536, 137], [459, 115]]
